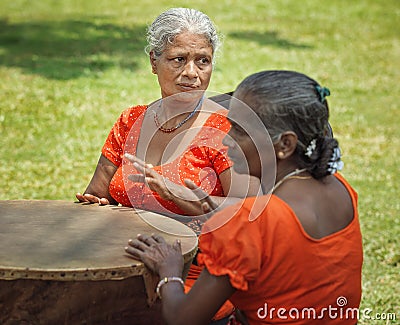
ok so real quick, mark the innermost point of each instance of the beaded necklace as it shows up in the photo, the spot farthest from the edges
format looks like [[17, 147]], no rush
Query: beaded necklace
[[169, 130]]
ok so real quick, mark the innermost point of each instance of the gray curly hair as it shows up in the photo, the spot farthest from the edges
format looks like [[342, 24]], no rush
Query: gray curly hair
[[174, 21]]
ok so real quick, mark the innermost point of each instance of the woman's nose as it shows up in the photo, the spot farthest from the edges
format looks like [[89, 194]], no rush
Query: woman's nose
[[190, 70]]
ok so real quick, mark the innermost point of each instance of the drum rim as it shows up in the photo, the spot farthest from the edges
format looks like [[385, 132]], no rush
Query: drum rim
[[81, 274], [121, 272]]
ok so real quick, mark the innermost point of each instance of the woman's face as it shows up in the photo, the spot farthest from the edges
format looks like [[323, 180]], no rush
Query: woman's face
[[249, 145], [242, 151], [184, 65]]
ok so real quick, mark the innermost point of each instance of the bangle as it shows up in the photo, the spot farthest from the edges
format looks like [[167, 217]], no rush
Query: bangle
[[166, 280]]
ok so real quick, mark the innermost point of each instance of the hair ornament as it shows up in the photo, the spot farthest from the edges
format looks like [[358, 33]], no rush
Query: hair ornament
[[323, 92], [335, 163], [310, 148]]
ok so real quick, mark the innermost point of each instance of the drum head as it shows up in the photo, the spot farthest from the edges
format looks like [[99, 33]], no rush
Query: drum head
[[74, 241]]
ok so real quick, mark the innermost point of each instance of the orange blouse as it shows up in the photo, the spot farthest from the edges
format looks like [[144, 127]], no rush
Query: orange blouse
[[281, 274], [202, 162]]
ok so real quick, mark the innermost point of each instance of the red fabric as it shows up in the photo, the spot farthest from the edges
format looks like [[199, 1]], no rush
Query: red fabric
[[202, 162], [274, 263]]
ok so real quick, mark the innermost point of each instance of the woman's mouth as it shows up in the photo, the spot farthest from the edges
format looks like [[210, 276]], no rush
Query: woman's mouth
[[187, 87]]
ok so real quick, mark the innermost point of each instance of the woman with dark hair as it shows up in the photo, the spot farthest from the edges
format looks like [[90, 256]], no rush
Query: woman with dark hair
[[293, 255]]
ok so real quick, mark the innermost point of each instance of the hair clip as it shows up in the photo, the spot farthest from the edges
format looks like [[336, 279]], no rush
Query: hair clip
[[322, 92], [310, 148], [335, 163]]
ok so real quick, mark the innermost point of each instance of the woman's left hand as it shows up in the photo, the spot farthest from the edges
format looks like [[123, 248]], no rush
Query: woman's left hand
[[208, 205], [159, 256], [190, 198]]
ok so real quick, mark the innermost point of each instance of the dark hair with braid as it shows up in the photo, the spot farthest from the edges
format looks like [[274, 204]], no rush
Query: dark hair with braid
[[291, 101]]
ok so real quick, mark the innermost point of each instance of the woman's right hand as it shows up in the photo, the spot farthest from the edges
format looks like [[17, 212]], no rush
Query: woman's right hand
[[159, 256], [89, 198], [97, 190]]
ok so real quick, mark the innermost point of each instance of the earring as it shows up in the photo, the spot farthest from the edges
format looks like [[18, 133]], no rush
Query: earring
[[281, 154]]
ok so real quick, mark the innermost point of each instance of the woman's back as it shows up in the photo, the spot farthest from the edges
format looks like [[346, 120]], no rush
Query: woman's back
[[323, 207], [276, 265]]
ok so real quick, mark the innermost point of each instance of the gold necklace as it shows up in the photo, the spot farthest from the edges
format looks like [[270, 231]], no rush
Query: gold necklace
[[291, 175], [166, 130]]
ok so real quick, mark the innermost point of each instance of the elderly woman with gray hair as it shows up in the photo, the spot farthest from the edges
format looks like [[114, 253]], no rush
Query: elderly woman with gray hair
[[152, 149]]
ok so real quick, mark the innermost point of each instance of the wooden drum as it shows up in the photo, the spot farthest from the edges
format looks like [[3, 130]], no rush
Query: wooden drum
[[64, 263]]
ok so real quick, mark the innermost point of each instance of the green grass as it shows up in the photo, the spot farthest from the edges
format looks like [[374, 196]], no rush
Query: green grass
[[68, 68]]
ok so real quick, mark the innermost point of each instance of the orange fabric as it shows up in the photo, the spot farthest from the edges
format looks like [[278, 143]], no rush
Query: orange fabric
[[202, 162], [273, 263], [194, 272]]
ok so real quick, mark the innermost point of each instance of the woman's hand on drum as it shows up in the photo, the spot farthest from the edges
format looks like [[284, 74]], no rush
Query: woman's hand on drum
[[159, 256], [89, 198]]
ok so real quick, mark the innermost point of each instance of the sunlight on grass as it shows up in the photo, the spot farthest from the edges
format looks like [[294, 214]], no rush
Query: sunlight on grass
[[68, 69]]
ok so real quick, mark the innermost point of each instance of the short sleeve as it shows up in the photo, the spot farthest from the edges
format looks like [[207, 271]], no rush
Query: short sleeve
[[113, 147], [233, 249], [220, 160]]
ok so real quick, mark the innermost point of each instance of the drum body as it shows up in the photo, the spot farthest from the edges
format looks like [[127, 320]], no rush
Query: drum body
[[64, 263]]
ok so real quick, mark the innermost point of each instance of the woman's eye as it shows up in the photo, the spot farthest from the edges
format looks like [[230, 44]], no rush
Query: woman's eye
[[204, 61], [178, 59]]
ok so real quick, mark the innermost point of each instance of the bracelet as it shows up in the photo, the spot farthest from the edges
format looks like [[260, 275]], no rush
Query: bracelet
[[166, 280]]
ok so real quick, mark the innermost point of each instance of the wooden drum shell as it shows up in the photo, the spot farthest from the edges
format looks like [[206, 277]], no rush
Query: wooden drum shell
[[64, 263]]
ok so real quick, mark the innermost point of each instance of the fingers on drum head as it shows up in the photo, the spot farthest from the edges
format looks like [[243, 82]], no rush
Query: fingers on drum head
[[157, 238]]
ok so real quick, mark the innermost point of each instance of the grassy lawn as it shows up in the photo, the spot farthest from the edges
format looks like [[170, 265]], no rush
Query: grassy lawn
[[68, 68]]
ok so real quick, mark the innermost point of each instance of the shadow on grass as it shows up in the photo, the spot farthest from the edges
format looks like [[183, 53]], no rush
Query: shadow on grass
[[68, 49], [268, 38]]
